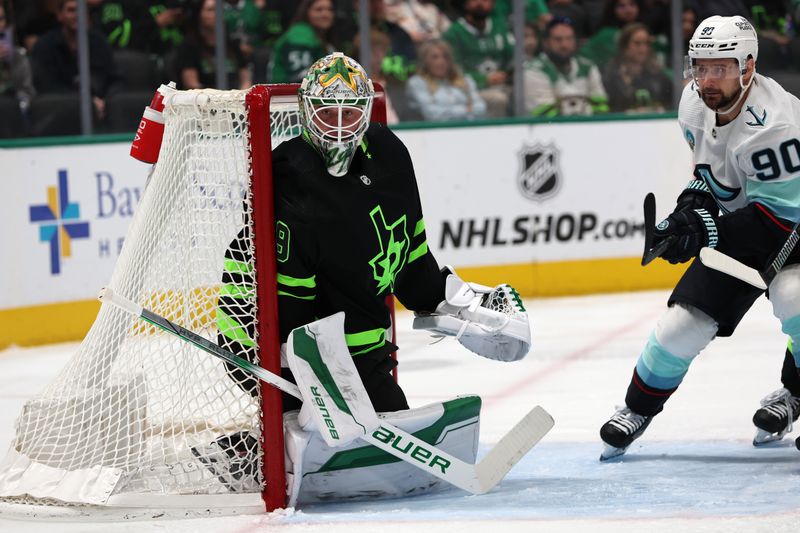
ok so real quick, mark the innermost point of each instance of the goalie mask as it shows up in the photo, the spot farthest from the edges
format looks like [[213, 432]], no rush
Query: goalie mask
[[335, 101]]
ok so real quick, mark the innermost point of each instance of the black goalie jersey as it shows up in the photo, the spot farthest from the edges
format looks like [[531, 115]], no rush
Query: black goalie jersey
[[343, 244]]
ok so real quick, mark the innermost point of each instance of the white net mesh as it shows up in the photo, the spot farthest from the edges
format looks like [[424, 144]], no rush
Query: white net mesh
[[137, 411]]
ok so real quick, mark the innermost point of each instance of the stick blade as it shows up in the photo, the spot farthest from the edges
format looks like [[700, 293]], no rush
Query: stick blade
[[513, 447], [730, 266]]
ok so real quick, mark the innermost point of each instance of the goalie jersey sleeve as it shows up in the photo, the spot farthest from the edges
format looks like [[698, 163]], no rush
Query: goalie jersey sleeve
[[754, 159], [345, 243]]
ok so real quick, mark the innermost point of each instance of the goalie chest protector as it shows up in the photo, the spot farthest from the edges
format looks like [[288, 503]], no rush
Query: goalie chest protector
[[345, 242]]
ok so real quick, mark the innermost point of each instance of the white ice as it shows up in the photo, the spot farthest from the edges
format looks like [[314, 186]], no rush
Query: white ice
[[694, 470]]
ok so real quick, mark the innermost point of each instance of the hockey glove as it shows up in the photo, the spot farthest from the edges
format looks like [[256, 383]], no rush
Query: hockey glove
[[490, 322], [691, 230]]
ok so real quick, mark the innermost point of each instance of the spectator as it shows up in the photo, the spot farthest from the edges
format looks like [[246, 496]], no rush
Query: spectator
[[439, 90], [723, 8], [400, 60], [776, 39], [634, 80], [307, 39], [32, 19], [196, 58], [559, 83], [54, 59], [484, 48], [689, 20], [535, 11], [421, 19], [257, 23], [16, 79], [602, 46], [379, 44], [530, 42], [573, 11]]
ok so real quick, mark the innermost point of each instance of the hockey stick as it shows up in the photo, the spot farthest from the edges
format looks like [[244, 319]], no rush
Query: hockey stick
[[761, 279], [652, 251], [476, 478]]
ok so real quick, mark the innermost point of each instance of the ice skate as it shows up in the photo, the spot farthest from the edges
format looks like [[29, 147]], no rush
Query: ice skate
[[772, 420], [620, 431], [233, 459]]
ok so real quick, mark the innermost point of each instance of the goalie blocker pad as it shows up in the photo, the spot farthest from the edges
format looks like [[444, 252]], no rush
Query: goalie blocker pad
[[491, 322], [316, 472], [335, 402]]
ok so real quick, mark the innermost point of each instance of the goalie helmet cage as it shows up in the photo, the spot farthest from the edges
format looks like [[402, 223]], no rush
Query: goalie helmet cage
[[138, 420]]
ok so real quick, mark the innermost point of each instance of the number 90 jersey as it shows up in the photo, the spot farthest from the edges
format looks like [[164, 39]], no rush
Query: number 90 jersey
[[753, 158]]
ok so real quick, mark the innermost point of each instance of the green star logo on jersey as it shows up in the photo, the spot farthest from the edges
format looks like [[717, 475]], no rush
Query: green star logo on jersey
[[394, 242]]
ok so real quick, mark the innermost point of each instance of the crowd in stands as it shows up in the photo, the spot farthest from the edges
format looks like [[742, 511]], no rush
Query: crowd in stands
[[439, 60]]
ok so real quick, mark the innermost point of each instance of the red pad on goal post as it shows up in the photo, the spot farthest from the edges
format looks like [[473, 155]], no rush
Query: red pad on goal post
[[258, 104]]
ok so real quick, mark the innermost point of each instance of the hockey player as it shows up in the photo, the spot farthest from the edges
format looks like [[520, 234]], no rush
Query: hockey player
[[349, 232], [744, 198]]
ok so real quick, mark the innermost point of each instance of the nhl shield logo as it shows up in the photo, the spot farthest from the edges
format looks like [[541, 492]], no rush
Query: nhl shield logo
[[540, 176]]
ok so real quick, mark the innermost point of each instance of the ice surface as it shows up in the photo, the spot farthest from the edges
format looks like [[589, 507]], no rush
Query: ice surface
[[694, 470]]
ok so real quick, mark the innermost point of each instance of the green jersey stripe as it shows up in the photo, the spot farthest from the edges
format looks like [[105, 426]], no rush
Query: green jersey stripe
[[289, 281], [231, 329]]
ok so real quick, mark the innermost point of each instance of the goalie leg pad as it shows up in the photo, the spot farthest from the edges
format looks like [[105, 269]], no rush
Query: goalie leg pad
[[360, 471], [335, 402]]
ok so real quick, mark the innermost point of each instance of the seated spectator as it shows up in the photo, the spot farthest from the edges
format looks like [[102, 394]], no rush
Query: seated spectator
[[634, 80], [776, 38], [379, 45], [531, 41], [440, 91], [559, 83], [400, 61], [16, 79], [421, 19], [573, 11], [484, 48], [536, 11], [602, 46], [307, 39], [257, 23], [152, 27], [54, 59], [196, 58]]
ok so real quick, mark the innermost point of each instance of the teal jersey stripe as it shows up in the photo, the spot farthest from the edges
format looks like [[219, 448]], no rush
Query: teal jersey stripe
[[659, 368], [781, 198]]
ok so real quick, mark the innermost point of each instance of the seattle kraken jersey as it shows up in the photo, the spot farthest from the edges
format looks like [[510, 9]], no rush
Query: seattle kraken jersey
[[345, 243], [753, 159]]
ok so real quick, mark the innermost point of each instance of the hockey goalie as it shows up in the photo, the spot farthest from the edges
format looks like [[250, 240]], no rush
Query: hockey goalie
[[349, 232]]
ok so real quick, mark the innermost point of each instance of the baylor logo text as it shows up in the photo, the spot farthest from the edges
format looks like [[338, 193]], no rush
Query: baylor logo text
[[412, 449]]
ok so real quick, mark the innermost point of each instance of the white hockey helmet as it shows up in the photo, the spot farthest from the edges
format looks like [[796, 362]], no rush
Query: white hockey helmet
[[724, 37], [335, 100]]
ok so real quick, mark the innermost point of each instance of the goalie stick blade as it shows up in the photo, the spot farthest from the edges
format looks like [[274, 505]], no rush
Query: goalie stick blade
[[730, 266], [513, 447]]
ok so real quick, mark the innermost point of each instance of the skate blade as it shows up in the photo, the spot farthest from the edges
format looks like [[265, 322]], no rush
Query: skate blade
[[765, 438], [611, 452]]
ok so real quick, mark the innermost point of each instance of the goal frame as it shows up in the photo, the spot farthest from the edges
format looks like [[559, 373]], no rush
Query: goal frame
[[257, 104]]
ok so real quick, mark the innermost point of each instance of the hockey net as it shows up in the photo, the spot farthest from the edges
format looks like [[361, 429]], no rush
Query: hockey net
[[131, 420]]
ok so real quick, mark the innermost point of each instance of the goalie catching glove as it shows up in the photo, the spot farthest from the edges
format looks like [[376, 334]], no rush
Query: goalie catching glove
[[490, 322]]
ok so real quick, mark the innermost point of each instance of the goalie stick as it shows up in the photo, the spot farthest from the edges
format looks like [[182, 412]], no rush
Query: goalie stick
[[761, 279], [476, 478], [652, 251]]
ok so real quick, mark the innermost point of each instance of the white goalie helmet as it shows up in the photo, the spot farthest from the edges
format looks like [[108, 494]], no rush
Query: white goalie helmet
[[724, 37], [335, 100]]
